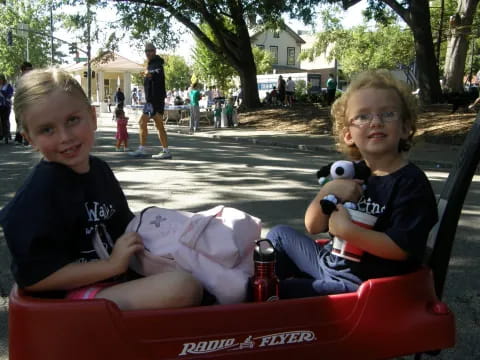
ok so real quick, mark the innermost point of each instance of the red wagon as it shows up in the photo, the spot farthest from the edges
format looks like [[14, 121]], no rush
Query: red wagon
[[385, 318]]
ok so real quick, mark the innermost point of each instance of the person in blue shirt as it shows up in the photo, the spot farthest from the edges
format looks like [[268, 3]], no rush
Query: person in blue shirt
[[6, 93]]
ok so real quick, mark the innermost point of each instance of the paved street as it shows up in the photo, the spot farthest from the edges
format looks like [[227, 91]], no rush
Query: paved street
[[274, 183]]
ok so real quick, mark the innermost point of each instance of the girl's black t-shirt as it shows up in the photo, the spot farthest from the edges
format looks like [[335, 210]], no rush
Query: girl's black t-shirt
[[51, 220]]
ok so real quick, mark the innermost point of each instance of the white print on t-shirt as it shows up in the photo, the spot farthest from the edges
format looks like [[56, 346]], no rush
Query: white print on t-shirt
[[96, 213], [370, 207]]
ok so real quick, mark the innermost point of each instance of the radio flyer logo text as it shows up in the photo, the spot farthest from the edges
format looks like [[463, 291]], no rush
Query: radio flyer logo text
[[283, 338]]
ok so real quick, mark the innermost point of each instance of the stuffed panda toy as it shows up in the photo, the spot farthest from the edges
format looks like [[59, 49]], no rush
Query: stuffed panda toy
[[341, 169]]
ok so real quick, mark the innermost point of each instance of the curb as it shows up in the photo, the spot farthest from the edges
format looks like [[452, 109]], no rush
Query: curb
[[427, 164], [256, 141], [327, 150]]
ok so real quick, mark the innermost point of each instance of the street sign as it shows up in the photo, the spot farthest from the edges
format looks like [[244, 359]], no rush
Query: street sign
[[79, 59]]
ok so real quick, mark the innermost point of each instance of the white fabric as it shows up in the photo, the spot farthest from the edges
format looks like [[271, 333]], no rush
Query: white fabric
[[290, 85], [215, 245]]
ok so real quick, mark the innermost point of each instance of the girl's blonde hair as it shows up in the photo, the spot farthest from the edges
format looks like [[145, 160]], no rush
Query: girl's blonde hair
[[40, 83], [377, 79]]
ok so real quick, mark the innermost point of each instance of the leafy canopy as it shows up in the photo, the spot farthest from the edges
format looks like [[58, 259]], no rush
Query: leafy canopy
[[363, 47], [177, 72], [35, 15]]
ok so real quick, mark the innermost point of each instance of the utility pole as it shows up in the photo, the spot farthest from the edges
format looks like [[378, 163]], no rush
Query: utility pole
[[52, 53], [89, 50], [439, 40]]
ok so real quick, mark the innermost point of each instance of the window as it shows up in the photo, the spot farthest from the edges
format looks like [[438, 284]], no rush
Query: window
[[106, 88], [274, 51], [290, 56], [276, 34], [262, 47]]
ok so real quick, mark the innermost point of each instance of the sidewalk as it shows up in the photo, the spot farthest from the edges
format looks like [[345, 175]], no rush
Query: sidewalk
[[424, 154]]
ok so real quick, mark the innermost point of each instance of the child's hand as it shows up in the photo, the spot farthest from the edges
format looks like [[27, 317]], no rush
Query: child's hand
[[340, 222], [125, 246], [344, 189]]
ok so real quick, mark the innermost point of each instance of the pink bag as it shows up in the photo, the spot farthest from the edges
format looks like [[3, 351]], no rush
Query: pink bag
[[215, 246]]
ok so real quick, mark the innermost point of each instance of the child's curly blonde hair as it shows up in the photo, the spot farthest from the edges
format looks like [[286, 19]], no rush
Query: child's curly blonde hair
[[377, 79]]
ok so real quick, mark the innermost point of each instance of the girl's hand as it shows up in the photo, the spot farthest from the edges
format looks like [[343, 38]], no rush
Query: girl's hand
[[340, 222], [125, 246]]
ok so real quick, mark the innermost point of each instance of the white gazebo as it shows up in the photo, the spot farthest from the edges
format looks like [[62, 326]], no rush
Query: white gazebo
[[110, 72]]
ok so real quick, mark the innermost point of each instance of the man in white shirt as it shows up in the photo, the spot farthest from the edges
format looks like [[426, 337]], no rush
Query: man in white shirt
[[289, 92]]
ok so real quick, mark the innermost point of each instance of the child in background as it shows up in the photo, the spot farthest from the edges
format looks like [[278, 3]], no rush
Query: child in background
[[122, 133], [375, 120], [229, 112], [68, 195], [217, 113]]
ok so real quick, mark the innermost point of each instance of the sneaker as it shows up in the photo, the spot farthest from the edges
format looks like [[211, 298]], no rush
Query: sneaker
[[126, 149], [138, 153], [163, 155], [118, 149]]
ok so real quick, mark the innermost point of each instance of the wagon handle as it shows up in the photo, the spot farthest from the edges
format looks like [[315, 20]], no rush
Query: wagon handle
[[450, 205]]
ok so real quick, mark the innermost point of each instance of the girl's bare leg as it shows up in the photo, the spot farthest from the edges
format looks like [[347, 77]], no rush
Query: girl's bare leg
[[165, 290]]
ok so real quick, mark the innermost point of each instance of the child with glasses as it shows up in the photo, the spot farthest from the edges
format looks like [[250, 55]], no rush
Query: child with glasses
[[374, 123]]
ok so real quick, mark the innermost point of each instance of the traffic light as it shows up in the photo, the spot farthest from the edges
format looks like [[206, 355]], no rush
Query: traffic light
[[9, 38], [72, 48]]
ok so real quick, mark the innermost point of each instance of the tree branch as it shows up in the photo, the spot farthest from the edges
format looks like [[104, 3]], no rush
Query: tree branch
[[400, 10], [181, 18]]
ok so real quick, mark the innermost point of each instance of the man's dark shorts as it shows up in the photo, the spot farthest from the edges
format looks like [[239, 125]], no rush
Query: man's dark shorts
[[151, 109]]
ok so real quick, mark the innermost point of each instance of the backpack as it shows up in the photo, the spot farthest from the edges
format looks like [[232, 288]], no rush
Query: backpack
[[215, 246]]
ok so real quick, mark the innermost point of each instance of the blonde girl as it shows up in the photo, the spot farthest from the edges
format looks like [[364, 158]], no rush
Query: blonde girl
[[50, 222]]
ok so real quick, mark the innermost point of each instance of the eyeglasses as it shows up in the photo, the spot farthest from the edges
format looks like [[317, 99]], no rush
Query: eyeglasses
[[149, 50], [385, 117]]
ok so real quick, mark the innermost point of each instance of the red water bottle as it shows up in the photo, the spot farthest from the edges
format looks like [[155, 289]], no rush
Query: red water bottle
[[264, 283]]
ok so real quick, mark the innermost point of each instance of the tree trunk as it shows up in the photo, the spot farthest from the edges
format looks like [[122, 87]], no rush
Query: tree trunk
[[460, 30], [417, 16], [241, 56], [233, 45], [427, 68]]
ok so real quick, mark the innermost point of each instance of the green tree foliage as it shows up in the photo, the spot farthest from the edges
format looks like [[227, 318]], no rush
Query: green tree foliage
[[384, 45], [152, 19], [177, 72], [263, 60], [416, 14], [213, 69], [88, 27], [361, 48], [34, 14]]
